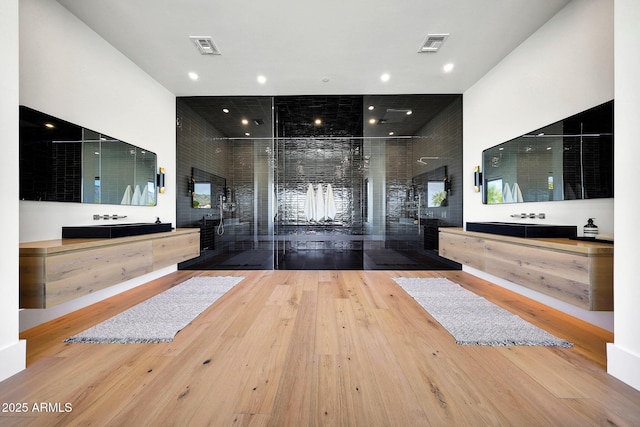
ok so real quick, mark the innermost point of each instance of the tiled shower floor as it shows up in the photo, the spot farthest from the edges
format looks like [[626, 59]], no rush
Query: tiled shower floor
[[323, 259]]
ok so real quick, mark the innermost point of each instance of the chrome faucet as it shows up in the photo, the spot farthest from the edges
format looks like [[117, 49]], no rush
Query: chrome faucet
[[531, 215], [115, 216]]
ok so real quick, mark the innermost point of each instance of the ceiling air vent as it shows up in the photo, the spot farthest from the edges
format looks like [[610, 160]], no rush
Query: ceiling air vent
[[433, 42], [205, 45]]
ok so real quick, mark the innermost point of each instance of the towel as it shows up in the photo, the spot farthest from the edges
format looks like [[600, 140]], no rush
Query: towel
[[144, 198], [517, 194], [126, 198], [320, 205], [331, 203], [310, 204], [135, 200], [507, 194]]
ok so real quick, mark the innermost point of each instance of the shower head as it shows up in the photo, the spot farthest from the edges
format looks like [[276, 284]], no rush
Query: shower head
[[423, 160]]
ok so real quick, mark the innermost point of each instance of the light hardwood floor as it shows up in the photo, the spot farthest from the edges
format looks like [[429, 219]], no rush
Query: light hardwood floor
[[306, 348]]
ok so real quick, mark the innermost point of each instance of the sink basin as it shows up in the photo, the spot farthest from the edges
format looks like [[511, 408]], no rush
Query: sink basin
[[518, 229], [109, 231]]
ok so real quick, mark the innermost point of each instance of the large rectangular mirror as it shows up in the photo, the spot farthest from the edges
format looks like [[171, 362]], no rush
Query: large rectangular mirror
[[64, 162], [567, 160]]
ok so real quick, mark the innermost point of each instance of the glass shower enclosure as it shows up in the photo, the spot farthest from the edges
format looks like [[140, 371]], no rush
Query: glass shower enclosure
[[325, 186]]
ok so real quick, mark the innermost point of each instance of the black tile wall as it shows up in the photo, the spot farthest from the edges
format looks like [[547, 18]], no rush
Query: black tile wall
[[200, 146], [319, 161], [442, 137]]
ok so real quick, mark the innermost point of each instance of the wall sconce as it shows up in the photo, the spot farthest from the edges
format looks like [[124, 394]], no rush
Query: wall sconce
[[160, 180], [477, 179], [447, 184], [191, 186]]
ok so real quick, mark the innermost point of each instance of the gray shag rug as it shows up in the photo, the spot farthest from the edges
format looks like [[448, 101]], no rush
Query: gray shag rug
[[161, 317], [471, 319]]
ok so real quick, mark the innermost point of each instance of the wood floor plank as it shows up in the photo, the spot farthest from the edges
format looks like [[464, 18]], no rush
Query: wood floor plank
[[431, 371], [306, 348], [103, 398], [263, 352], [367, 288], [176, 396], [503, 389], [254, 298], [362, 396], [332, 390], [293, 404], [250, 420], [543, 367]]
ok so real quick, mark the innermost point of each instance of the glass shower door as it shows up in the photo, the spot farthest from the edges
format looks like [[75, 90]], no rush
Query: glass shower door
[[318, 186]]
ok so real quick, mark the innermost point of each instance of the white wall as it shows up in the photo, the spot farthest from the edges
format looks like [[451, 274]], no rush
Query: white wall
[[562, 69], [12, 351], [68, 71], [623, 357], [77, 76]]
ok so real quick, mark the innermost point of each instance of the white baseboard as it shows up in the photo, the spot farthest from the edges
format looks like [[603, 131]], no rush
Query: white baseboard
[[624, 365], [13, 359]]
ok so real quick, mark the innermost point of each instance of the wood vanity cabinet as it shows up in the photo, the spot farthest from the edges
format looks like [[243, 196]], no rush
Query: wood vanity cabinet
[[57, 271], [573, 271]]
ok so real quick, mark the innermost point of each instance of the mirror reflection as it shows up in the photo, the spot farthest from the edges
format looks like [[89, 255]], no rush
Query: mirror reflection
[[567, 160], [64, 162], [208, 189]]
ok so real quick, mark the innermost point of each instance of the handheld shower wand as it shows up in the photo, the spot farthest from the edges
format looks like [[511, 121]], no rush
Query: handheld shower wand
[[419, 202], [220, 230]]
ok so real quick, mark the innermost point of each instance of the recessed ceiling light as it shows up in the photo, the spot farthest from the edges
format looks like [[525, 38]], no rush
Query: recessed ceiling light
[[225, 110], [448, 67], [262, 80], [193, 76], [409, 112], [385, 77], [318, 122], [391, 133], [247, 134], [245, 121], [371, 107], [49, 125], [372, 121]]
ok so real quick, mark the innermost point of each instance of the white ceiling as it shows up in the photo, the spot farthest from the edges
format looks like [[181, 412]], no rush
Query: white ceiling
[[297, 43]]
